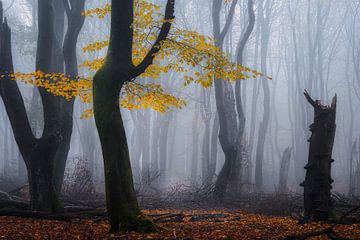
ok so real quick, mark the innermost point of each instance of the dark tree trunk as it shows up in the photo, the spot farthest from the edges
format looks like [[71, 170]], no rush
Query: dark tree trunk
[[235, 179], [225, 104], [284, 170], [66, 107], [41, 155], [38, 154], [121, 200], [317, 184], [122, 206]]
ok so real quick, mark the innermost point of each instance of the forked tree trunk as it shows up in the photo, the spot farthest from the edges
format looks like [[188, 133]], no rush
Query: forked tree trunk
[[39, 153], [235, 179], [225, 105], [122, 206], [317, 184], [284, 170]]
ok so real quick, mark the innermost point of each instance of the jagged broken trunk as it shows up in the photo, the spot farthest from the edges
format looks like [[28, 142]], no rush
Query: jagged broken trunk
[[317, 184]]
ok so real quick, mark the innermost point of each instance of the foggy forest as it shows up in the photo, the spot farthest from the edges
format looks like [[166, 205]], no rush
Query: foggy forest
[[179, 119]]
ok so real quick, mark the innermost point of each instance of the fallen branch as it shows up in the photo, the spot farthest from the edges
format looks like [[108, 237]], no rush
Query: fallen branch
[[170, 218], [49, 216], [14, 204]]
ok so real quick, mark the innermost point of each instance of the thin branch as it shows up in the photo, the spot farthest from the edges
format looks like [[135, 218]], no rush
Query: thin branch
[[164, 32], [228, 20]]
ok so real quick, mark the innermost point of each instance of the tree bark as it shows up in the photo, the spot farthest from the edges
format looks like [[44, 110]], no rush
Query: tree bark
[[75, 21], [122, 206], [225, 104], [235, 179], [39, 153], [317, 184]]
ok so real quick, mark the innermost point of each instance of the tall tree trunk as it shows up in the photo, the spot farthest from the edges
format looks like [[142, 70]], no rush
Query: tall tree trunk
[[163, 145], [195, 144], [317, 184], [264, 125], [39, 153], [235, 178], [284, 170], [225, 104], [66, 107], [353, 162], [205, 148], [155, 142], [214, 148], [122, 206]]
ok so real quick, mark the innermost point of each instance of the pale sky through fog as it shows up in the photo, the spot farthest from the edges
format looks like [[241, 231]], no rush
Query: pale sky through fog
[[19, 9]]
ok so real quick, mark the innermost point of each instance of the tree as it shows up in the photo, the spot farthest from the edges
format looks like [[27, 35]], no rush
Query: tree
[[122, 205], [129, 57], [36, 152], [41, 155], [265, 17], [317, 184], [235, 179], [75, 20], [225, 104], [229, 104]]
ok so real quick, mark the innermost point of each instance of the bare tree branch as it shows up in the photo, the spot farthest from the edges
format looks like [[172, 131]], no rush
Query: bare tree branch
[[164, 32]]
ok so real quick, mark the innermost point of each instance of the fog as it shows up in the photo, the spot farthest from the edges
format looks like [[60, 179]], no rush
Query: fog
[[300, 44]]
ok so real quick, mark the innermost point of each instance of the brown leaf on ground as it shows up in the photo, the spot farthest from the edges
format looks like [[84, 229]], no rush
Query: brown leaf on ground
[[208, 225]]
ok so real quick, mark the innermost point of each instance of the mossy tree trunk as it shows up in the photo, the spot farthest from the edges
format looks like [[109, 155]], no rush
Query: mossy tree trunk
[[118, 70], [317, 184]]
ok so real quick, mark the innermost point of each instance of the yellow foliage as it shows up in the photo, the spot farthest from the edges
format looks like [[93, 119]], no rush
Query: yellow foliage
[[182, 51]]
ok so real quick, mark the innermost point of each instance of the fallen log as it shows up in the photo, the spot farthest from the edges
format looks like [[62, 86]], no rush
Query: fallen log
[[8, 212], [14, 204]]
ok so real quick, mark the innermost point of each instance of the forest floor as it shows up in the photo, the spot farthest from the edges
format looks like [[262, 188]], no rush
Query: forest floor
[[183, 214], [176, 224]]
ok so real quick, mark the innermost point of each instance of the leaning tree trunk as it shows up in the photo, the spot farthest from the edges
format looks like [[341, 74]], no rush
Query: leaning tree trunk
[[122, 206], [121, 199], [317, 184]]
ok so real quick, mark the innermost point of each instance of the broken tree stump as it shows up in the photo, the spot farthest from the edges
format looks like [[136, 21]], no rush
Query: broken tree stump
[[317, 184]]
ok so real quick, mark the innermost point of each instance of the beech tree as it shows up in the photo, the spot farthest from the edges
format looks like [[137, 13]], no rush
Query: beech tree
[[45, 157], [122, 205], [128, 57]]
